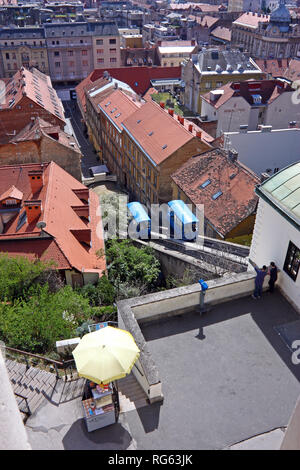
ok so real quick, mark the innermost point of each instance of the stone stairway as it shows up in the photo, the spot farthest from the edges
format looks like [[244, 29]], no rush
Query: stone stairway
[[131, 394], [33, 383]]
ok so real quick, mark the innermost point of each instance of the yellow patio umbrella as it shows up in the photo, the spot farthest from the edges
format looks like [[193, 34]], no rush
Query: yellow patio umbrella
[[106, 355]]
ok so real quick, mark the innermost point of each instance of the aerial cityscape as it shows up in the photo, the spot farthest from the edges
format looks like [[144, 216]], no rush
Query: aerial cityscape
[[150, 227]]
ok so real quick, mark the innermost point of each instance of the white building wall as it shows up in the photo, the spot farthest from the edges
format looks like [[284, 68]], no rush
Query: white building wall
[[232, 114], [282, 111], [209, 111], [271, 237], [260, 151]]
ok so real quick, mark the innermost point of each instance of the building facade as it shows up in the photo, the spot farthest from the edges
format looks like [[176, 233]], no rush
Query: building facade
[[211, 69], [29, 94], [22, 47], [249, 105], [76, 49], [276, 234], [173, 53], [267, 37], [156, 143]]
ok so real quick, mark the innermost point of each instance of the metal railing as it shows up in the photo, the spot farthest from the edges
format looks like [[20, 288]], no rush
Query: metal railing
[[27, 412], [58, 366]]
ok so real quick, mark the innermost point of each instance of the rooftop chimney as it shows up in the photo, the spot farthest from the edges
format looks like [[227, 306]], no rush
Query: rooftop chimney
[[36, 180], [171, 111], [264, 177], [162, 104], [33, 209], [191, 127], [199, 134]]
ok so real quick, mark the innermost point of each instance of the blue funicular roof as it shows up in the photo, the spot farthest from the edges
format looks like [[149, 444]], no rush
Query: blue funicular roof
[[138, 212], [182, 211]]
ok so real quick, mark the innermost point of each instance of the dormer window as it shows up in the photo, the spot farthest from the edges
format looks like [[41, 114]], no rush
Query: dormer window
[[11, 202]]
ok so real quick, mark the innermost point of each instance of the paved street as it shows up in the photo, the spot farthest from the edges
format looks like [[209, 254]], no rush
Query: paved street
[[89, 156]]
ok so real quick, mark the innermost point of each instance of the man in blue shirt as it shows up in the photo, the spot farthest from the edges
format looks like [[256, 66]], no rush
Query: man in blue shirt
[[259, 280]]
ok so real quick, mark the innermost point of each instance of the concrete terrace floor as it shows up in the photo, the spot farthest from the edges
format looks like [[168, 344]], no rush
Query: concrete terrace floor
[[226, 376]]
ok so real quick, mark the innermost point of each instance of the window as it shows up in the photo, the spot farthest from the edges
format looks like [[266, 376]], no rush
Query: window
[[114, 50], [112, 60], [100, 61], [71, 64], [206, 183], [100, 51], [216, 195], [84, 52], [85, 63], [57, 64], [292, 261], [99, 42], [7, 55], [112, 41], [219, 84], [56, 53], [70, 53], [208, 85]]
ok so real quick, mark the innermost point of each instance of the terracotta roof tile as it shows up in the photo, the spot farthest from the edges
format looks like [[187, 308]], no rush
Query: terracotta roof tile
[[36, 129], [274, 67], [57, 198], [236, 183], [158, 133], [221, 33], [251, 19], [37, 87], [118, 106], [138, 78], [13, 193], [269, 90]]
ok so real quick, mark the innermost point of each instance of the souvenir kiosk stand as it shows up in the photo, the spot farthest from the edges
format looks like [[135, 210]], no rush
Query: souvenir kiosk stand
[[101, 405]]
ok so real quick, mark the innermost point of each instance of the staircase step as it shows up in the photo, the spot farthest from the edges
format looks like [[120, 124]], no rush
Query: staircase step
[[32, 372]]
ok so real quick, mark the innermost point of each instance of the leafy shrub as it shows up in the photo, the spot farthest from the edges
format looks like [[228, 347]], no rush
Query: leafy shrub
[[18, 274], [103, 293], [36, 324], [130, 264]]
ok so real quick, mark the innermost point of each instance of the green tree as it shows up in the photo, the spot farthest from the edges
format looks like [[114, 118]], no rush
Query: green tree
[[103, 293], [36, 324], [18, 274], [130, 264]]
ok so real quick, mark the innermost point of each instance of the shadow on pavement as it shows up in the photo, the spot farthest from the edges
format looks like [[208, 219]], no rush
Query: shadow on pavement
[[111, 437], [149, 416], [271, 311]]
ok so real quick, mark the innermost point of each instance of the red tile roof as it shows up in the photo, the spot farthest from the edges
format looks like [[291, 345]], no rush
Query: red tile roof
[[138, 78], [251, 19], [157, 132], [37, 87], [236, 182], [273, 67], [269, 90], [221, 33], [36, 129], [204, 21], [58, 198], [292, 72], [118, 106], [13, 193]]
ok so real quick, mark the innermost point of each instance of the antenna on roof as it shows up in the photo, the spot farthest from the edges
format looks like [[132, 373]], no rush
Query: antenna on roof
[[41, 225]]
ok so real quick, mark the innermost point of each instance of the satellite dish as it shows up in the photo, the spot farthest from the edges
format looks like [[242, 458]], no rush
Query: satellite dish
[[41, 225]]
